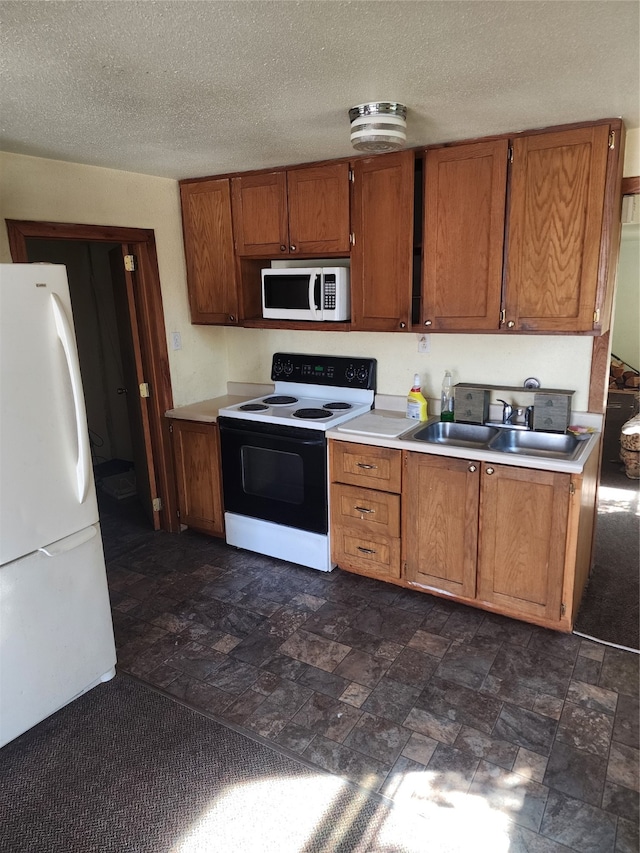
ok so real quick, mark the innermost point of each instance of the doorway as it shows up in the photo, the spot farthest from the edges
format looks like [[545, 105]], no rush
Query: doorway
[[610, 607], [123, 360]]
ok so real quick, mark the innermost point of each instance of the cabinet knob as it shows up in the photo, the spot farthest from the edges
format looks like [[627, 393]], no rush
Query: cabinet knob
[[292, 248], [472, 469], [232, 318], [428, 322], [490, 470], [403, 325], [510, 324], [283, 248]]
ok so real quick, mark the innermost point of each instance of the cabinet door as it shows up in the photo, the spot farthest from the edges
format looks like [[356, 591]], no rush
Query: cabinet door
[[522, 540], [554, 231], [464, 206], [260, 214], [196, 449], [440, 522], [318, 199], [382, 257], [208, 243]]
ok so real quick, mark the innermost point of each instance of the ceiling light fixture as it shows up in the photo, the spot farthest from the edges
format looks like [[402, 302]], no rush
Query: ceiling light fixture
[[378, 126]]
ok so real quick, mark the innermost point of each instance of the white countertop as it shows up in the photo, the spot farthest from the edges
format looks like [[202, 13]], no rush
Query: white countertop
[[405, 442], [206, 411]]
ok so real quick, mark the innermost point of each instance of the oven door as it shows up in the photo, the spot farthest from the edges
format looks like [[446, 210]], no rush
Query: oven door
[[275, 473]]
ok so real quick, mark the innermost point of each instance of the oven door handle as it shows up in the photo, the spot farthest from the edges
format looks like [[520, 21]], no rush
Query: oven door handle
[[249, 436]]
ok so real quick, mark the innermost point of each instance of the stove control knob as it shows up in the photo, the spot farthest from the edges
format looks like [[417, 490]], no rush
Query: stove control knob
[[288, 368], [277, 367], [363, 374], [350, 373]]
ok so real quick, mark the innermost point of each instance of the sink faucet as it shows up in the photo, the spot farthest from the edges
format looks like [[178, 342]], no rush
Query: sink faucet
[[507, 411]]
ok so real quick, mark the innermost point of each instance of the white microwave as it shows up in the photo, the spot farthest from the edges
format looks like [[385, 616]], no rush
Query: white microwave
[[305, 293]]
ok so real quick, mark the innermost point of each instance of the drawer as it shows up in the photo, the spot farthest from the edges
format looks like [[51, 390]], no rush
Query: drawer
[[365, 510], [376, 556], [365, 465]]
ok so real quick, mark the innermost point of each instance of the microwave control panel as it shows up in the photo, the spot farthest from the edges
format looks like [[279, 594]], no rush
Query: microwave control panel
[[329, 292]]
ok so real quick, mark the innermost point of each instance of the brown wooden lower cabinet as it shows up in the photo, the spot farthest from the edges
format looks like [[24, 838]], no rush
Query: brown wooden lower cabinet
[[523, 533], [365, 509], [440, 530], [516, 541], [196, 453], [496, 534]]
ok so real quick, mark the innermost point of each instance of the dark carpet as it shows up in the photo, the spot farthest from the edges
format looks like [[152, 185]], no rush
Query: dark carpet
[[124, 768], [610, 608]]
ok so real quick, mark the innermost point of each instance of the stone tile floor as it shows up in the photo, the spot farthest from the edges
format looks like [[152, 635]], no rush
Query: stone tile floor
[[417, 698]]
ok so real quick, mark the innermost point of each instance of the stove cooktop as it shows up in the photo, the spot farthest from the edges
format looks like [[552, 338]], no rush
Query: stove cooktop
[[313, 412], [312, 391]]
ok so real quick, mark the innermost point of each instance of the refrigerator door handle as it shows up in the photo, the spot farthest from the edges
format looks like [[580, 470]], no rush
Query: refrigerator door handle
[[65, 333], [69, 542]]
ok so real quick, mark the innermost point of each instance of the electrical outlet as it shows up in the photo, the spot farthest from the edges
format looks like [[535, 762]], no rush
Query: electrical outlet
[[424, 343], [176, 340]]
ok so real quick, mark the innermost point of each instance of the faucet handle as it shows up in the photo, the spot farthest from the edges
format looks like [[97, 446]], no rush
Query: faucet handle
[[507, 411], [529, 417]]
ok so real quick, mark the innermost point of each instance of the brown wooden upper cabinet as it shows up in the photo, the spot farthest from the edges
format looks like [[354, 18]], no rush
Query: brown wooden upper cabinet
[[295, 212], [464, 209], [382, 255], [495, 235], [554, 233], [530, 258], [209, 252]]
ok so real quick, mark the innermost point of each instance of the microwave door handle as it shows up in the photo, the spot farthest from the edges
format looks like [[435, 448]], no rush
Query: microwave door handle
[[312, 298]]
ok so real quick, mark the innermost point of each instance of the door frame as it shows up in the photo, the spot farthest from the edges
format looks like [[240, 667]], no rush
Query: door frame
[[599, 379], [150, 332]]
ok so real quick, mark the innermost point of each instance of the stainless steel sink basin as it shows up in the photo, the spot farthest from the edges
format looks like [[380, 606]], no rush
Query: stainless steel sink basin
[[456, 435], [547, 444]]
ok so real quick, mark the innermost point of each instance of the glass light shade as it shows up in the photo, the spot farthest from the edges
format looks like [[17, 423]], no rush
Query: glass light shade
[[378, 126]]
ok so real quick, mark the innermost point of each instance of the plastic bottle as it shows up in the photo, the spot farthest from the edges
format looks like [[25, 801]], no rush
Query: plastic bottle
[[446, 398], [416, 403]]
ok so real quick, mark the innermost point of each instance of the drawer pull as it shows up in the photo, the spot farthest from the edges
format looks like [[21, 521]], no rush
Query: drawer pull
[[364, 509], [364, 465], [366, 550]]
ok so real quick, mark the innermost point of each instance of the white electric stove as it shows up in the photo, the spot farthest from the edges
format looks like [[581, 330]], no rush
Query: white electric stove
[[274, 455], [316, 403]]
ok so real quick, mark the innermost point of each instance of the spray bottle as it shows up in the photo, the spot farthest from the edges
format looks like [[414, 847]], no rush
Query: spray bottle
[[416, 403], [446, 399]]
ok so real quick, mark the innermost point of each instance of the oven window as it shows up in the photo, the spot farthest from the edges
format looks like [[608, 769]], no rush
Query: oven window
[[273, 474]]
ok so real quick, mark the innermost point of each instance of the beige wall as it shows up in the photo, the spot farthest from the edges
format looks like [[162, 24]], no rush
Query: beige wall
[[632, 154], [625, 340], [48, 190]]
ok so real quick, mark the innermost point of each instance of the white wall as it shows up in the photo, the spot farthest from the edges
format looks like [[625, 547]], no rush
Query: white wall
[[34, 188], [559, 362], [625, 339], [49, 190]]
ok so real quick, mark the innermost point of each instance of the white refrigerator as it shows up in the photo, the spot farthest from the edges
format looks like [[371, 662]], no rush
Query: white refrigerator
[[56, 634]]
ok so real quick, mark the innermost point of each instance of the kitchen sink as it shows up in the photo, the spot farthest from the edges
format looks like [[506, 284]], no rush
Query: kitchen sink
[[456, 435], [547, 444], [518, 442]]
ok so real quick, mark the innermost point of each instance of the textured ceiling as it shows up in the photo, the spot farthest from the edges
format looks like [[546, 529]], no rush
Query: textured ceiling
[[185, 89]]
